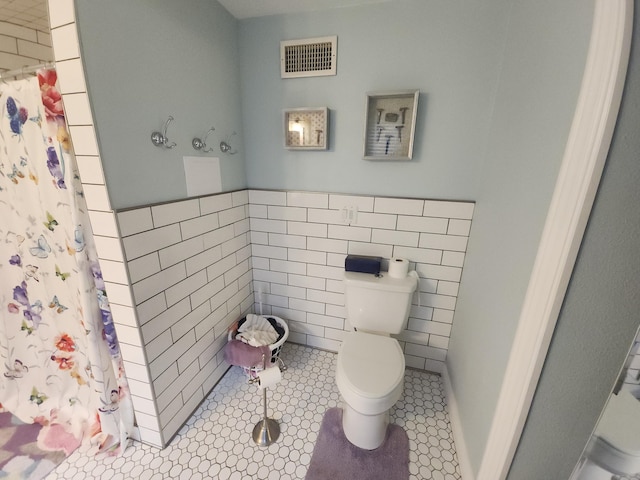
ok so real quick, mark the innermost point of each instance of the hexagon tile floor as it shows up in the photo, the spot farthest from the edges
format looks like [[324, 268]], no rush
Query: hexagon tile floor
[[216, 441]]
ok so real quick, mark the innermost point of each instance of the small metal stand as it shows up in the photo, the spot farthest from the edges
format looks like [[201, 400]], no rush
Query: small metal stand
[[266, 430]]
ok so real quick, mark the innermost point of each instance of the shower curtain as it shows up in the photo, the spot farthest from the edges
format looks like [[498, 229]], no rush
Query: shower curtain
[[61, 364]]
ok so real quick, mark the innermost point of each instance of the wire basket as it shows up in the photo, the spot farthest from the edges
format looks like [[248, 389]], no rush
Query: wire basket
[[283, 333]]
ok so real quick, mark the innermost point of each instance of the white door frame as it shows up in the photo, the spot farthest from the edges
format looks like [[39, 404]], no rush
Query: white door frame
[[580, 172]]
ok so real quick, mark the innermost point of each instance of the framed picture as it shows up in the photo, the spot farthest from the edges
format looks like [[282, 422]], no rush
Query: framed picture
[[306, 128], [390, 124]]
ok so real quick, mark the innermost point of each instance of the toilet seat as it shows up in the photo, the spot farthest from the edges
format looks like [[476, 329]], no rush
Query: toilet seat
[[370, 372], [616, 441]]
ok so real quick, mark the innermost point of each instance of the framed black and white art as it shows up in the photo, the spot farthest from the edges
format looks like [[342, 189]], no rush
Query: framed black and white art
[[390, 124]]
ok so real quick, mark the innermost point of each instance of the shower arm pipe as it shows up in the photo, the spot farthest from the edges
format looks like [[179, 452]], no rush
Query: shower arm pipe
[[26, 70]]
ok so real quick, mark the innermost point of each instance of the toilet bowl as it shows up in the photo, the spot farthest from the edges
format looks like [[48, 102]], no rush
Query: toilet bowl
[[614, 447], [369, 375]]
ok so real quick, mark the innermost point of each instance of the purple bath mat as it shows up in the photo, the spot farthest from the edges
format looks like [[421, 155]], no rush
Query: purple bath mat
[[335, 458], [20, 455]]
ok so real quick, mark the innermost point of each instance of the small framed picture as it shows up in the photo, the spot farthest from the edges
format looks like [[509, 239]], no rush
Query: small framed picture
[[306, 128], [390, 124]]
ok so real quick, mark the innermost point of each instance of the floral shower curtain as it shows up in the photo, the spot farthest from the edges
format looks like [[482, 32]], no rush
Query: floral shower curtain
[[61, 364]]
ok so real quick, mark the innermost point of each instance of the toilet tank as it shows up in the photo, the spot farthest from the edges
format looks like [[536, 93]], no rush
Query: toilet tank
[[378, 303]]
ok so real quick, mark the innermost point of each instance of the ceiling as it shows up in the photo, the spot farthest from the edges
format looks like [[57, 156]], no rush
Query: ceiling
[[33, 13], [260, 8]]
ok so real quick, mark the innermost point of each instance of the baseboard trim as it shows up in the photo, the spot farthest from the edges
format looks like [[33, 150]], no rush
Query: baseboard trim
[[462, 453]]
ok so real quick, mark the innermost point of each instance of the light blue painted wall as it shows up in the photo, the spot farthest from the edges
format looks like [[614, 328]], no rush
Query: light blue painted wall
[[146, 60], [500, 81], [599, 317], [450, 51], [544, 57]]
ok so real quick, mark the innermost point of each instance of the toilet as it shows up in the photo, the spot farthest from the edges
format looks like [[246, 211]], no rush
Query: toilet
[[370, 364], [614, 447]]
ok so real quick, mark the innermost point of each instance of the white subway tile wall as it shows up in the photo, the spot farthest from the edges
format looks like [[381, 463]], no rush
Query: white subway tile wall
[[20, 46], [189, 265], [197, 265], [66, 52], [299, 242]]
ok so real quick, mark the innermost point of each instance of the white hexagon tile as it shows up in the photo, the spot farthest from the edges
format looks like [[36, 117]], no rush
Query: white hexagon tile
[[216, 442]]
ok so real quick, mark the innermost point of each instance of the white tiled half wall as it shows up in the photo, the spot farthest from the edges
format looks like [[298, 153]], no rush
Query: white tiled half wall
[[21, 46], [299, 242], [195, 266], [189, 267]]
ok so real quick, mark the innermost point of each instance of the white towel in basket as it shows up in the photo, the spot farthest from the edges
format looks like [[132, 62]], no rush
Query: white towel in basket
[[257, 331]]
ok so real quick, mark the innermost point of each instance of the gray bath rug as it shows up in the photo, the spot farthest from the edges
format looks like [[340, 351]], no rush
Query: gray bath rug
[[335, 458]]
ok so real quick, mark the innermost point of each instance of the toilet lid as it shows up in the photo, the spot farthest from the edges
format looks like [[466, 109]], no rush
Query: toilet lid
[[620, 423], [372, 364]]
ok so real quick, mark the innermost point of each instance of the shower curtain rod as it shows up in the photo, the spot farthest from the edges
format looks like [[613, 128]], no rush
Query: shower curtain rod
[[26, 70]]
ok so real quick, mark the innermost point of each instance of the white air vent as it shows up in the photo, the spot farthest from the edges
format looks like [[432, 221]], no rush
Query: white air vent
[[311, 57]]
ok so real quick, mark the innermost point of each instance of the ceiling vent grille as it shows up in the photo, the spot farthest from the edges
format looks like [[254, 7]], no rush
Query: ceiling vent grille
[[311, 57]]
